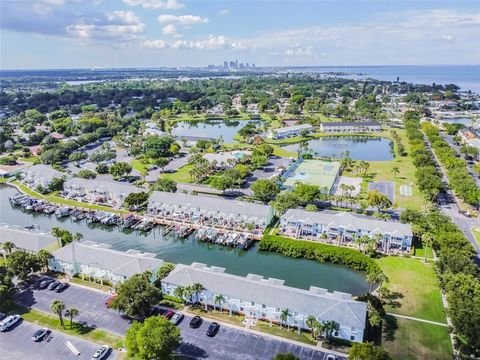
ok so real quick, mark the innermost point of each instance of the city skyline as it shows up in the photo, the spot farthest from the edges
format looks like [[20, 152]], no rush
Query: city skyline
[[171, 33]]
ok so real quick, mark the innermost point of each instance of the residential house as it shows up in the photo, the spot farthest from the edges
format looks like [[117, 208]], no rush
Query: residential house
[[40, 175], [99, 261], [289, 131], [26, 238], [260, 298], [95, 191], [350, 127], [226, 159], [344, 228], [209, 210]]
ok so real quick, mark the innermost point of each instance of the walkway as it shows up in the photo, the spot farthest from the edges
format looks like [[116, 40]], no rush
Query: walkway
[[417, 319]]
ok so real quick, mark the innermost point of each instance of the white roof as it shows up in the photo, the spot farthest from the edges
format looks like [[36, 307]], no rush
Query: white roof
[[349, 222], [43, 171], [293, 128], [216, 204], [101, 256], [31, 240], [273, 293], [114, 187]]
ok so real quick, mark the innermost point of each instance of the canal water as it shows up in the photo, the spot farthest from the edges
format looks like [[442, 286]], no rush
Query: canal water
[[210, 128], [299, 273], [360, 147]]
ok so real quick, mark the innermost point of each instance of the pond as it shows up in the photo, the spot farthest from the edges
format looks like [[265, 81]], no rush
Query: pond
[[360, 147], [461, 120], [210, 128], [299, 273]]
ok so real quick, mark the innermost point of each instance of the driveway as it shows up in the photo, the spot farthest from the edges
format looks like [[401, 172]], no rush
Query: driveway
[[18, 344], [229, 343]]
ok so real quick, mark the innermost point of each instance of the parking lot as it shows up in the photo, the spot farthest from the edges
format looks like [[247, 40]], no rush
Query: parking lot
[[229, 343], [17, 343]]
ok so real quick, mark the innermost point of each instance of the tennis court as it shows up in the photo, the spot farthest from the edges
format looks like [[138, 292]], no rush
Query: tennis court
[[405, 190], [314, 172], [385, 187]]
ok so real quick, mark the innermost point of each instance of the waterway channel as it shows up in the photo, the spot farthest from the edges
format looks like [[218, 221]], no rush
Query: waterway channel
[[210, 128], [296, 272]]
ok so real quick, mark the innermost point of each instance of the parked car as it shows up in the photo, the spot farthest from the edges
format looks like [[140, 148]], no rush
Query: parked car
[[213, 329], [102, 353], [9, 321], [108, 302], [169, 314], [157, 310], [195, 322], [2, 316], [53, 285], [177, 318], [41, 334], [331, 357], [45, 283], [62, 287]]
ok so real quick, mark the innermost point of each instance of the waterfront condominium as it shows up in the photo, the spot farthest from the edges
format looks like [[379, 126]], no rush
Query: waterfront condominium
[[265, 299], [40, 175], [289, 131], [214, 211], [344, 228], [350, 127]]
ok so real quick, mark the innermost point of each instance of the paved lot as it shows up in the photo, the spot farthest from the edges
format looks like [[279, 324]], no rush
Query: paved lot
[[385, 187], [229, 343], [17, 344]]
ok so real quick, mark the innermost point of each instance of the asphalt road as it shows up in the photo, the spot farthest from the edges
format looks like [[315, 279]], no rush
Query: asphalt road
[[17, 344], [229, 343]]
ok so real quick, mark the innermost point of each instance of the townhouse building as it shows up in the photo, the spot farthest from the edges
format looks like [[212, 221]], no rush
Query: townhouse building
[[40, 175], [289, 131], [214, 211], [350, 127], [95, 191], [344, 228], [264, 299], [97, 260], [26, 238]]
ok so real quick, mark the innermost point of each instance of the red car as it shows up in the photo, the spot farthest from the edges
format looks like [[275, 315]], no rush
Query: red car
[[108, 302], [169, 314]]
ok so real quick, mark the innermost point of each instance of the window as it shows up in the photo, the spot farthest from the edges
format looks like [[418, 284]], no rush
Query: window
[[241, 308], [277, 309], [352, 337], [264, 306], [252, 303], [336, 333]]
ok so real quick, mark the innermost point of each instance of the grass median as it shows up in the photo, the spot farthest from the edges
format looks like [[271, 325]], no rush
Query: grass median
[[76, 329]]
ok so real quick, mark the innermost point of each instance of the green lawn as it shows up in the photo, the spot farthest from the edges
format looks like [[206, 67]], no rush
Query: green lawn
[[476, 234], [410, 340], [181, 175], [417, 287], [59, 200], [279, 151], [51, 321], [91, 284], [216, 315], [139, 166], [304, 337]]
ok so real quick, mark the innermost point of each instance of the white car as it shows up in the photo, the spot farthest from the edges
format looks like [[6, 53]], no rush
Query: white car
[[8, 322], [102, 353]]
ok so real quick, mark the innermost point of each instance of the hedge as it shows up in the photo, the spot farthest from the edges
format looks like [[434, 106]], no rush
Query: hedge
[[318, 251]]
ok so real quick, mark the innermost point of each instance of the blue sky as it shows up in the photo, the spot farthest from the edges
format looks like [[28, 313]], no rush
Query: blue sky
[[153, 33]]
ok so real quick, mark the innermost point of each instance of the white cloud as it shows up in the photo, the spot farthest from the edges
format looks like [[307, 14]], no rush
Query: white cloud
[[182, 19], [299, 51], [170, 30], [156, 4], [154, 44], [447, 37], [212, 43], [223, 12], [119, 25]]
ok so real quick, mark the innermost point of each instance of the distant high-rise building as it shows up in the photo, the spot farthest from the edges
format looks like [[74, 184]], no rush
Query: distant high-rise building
[[253, 65], [247, 65], [241, 66], [225, 64], [232, 64], [236, 64]]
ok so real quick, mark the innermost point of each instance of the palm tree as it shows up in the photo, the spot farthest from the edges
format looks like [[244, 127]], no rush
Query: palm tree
[[312, 323], [374, 317], [57, 307], [43, 256], [284, 316], [395, 171], [197, 288], [219, 299], [179, 292], [71, 312], [188, 292], [77, 237], [427, 241], [331, 327], [57, 233], [8, 247]]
